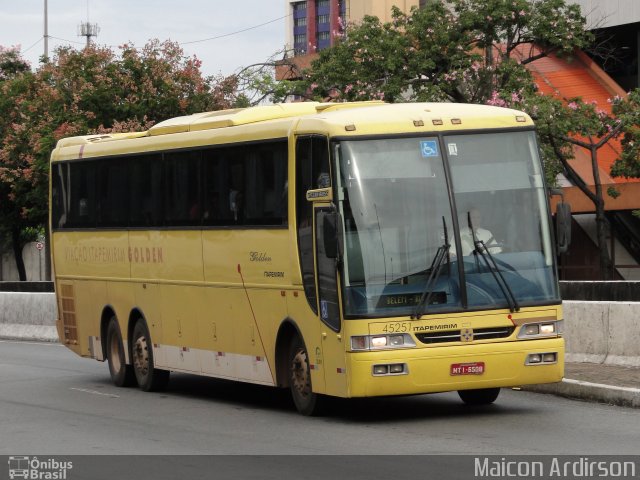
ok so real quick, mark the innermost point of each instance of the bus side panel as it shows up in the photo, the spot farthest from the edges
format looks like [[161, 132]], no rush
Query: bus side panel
[[270, 307], [172, 260], [251, 269], [79, 255], [216, 333], [91, 296], [181, 307]]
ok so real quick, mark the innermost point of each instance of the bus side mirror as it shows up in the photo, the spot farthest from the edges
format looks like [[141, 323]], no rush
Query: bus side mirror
[[331, 235], [563, 226]]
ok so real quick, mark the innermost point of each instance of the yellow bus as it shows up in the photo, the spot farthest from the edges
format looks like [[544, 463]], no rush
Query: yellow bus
[[347, 250]]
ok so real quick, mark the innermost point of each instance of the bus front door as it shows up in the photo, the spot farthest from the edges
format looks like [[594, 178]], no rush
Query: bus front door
[[333, 347]]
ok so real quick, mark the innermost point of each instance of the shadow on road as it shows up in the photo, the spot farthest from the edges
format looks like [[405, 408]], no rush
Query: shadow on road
[[359, 410]]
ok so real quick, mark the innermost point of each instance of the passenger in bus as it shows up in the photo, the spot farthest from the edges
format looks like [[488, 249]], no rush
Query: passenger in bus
[[481, 234], [194, 210], [235, 204]]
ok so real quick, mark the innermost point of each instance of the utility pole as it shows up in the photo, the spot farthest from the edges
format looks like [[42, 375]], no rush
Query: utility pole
[[46, 32]]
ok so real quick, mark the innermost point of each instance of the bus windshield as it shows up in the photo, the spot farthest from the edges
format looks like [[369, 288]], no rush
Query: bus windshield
[[399, 198]]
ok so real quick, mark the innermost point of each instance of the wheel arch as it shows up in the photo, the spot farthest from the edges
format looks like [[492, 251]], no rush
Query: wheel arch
[[108, 312], [286, 333]]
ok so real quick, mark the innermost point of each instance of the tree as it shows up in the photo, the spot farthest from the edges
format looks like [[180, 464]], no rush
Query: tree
[[461, 50], [14, 77], [475, 51], [85, 92], [628, 110], [566, 124]]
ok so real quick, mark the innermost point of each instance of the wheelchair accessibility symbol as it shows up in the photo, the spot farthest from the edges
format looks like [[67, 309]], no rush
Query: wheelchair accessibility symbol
[[429, 148]]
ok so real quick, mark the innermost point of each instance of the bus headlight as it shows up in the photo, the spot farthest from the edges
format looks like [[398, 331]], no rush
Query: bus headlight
[[381, 342], [541, 330]]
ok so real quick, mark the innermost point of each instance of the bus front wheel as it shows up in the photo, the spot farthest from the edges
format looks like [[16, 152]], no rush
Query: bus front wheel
[[307, 402], [121, 373], [482, 396], [149, 378]]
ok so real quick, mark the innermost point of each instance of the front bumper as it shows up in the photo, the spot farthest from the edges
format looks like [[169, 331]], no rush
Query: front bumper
[[429, 370]]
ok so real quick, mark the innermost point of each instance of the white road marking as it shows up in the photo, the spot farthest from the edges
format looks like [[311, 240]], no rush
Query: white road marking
[[94, 392], [601, 385]]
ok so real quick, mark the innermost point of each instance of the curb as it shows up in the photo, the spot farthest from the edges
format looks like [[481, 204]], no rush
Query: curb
[[592, 392]]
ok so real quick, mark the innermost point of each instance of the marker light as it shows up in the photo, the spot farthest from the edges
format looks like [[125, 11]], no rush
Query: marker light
[[396, 368], [535, 358], [359, 343], [380, 369], [390, 369], [545, 358]]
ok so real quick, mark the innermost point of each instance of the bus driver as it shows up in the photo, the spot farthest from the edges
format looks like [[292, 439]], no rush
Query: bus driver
[[481, 234]]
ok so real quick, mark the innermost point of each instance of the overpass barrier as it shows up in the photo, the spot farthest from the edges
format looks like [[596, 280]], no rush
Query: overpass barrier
[[595, 332], [28, 316], [602, 332]]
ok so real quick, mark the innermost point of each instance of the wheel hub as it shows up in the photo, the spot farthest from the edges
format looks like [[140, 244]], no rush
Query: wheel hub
[[141, 355], [300, 373]]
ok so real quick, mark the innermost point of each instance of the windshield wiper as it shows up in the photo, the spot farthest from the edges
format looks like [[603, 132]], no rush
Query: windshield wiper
[[482, 249], [434, 269]]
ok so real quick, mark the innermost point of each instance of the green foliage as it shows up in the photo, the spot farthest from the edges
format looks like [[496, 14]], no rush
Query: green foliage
[[627, 110], [613, 192]]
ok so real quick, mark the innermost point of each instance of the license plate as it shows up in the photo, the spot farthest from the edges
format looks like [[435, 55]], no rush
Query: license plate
[[475, 368]]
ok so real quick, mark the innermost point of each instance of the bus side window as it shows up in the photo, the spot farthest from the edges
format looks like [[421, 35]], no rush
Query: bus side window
[[182, 175], [146, 193], [59, 195], [82, 195]]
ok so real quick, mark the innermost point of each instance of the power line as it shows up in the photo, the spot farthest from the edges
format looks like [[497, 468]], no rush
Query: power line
[[37, 42], [180, 43], [65, 40], [236, 32]]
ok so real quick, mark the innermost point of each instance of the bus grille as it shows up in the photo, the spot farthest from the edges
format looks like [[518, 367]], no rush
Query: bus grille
[[454, 335]]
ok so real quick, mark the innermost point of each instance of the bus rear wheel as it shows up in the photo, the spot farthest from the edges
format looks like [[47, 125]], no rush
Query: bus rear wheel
[[306, 402], [121, 374], [482, 396], [149, 378]]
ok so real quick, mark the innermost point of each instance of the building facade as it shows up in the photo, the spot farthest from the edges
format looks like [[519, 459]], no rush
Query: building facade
[[617, 23], [312, 25]]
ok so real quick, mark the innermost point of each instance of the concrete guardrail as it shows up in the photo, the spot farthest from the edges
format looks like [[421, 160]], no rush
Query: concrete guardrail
[[602, 332], [595, 332], [28, 316]]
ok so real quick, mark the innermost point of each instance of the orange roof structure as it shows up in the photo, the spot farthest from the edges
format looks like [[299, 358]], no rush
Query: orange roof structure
[[582, 77]]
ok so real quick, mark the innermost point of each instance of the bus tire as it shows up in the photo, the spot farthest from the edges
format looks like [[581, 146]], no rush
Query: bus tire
[[121, 374], [298, 369], [482, 396], [149, 378]]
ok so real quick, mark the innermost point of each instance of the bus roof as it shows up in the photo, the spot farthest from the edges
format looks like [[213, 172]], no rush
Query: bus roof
[[333, 119]]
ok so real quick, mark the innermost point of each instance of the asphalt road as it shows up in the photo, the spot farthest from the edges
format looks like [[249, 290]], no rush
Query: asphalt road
[[53, 402]]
